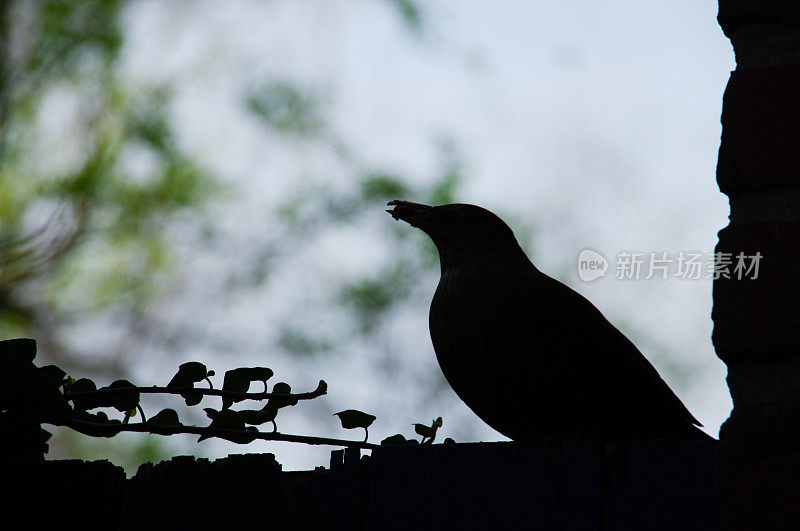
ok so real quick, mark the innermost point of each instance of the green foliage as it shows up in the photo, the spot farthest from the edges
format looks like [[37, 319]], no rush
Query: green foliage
[[31, 395], [372, 297], [70, 28], [88, 232], [410, 13], [383, 187], [47, 395], [285, 108], [296, 341], [82, 234]]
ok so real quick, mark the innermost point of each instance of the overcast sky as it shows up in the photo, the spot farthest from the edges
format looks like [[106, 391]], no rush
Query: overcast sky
[[594, 123]]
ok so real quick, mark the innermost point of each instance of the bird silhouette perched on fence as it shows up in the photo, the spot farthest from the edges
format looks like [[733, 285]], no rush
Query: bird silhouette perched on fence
[[530, 356]]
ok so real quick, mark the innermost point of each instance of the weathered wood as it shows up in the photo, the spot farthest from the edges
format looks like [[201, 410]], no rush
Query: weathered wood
[[550, 484]]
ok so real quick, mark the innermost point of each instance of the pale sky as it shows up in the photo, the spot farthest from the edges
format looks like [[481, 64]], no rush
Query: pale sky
[[594, 123]]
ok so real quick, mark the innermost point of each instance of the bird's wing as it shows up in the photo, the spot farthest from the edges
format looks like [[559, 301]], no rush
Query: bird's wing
[[560, 304]]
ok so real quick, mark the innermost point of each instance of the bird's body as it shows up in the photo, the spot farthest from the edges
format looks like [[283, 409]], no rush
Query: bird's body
[[530, 356]]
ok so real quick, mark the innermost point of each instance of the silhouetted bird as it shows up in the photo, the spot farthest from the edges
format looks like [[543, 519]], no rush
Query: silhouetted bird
[[527, 354]]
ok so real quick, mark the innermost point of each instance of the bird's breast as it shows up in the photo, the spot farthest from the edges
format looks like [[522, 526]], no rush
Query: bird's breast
[[470, 328]]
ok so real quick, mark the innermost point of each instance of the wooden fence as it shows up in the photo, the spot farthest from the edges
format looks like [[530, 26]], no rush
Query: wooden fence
[[587, 485]]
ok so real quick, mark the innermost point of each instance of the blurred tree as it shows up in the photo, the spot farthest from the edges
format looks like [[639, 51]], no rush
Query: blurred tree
[[94, 181], [92, 177], [90, 173]]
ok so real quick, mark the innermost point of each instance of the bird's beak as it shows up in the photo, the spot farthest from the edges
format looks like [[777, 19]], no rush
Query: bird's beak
[[415, 214]]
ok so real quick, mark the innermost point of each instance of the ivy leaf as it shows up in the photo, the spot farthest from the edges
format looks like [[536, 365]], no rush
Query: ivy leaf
[[165, 418], [281, 388], [258, 417], [188, 374], [55, 373], [102, 421], [27, 388], [84, 385], [20, 350], [394, 440], [227, 419], [352, 418], [269, 412], [126, 401], [428, 432], [238, 380]]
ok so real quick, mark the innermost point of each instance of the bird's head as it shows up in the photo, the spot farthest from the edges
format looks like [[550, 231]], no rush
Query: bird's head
[[466, 236]]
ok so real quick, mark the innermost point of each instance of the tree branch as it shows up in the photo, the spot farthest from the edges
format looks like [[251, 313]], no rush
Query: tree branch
[[113, 429], [321, 389]]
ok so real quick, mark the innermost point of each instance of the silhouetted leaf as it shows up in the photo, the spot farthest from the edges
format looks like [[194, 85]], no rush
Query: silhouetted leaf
[[238, 380], [394, 440], [258, 417], [227, 419], [55, 373], [27, 388], [248, 435], [284, 389], [165, 417], [84, 385], [126, 401], [423, 430], [428, 432], [192, 398], [188, 374], [352, 418], [234, 381], [267, 414], [19, 350], [105, 426]]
